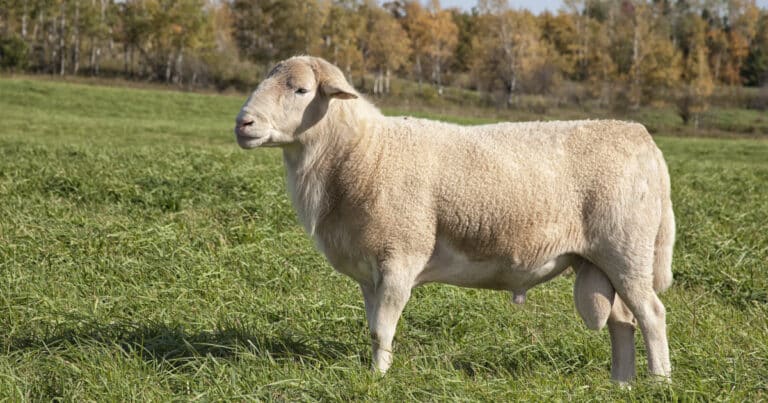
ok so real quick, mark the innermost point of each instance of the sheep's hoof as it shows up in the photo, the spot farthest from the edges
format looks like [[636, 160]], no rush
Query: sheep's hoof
[[382, 360], [625, 385], [661, 379], [518, 297], [378, 371]]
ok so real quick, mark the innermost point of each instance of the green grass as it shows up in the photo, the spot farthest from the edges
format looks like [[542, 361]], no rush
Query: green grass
[[144, 256]]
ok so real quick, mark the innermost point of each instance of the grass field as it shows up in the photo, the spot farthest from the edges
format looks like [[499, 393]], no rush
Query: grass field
[[143, 256]]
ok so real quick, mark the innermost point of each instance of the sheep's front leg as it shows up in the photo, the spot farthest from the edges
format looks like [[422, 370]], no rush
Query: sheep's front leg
[[387, 303], [369, 297]]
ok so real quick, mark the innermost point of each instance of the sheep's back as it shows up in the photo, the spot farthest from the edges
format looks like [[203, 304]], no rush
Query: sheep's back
[[528, 189]]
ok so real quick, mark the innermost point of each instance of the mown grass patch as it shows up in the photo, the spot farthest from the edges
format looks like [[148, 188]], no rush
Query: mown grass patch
[[144, 256]]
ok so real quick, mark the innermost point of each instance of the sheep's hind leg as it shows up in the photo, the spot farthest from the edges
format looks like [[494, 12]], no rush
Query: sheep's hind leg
[[597, 302], [635, 287], [621, 325]]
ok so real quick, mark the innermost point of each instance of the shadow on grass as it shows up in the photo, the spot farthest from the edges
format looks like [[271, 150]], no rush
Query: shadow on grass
[[523, 363], [176, 346]]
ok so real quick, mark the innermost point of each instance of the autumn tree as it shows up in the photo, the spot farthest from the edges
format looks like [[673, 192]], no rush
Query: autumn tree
[[718, 49], [133, 31], [653, 67], [14, 18], [99, 17], [755, 68], [743, 16], [508, 48], [43, 25], [416, 24], [220, 63], [562, 32], [581, 36], [270, 30], [388, 48], [601, 70], [340, 33], [441, 40], [466, 23], [174, 29], [569, 35], [696, 77]]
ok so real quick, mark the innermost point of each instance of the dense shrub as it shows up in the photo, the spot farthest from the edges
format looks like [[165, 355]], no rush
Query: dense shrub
[[13, 52]]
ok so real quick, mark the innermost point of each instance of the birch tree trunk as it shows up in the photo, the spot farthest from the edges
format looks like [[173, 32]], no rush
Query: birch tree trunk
[[76, 39], [50, 43], [62, 39], [378, 82], [386, 81], [635, 69], [418, 72], [24, 20], [126, 54], [43, 39], [97, 52], [179, 67], [168, 64], [92, 57], [439, 77], [36, 27]]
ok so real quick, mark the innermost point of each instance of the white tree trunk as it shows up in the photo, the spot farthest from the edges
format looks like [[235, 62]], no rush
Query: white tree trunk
[[24, 20], [168, 64], [378, 83], [386, 82], [635, 69], [97, 53], [76, 39], [439, 77], [62, 39], [179, 67], [418, 71]]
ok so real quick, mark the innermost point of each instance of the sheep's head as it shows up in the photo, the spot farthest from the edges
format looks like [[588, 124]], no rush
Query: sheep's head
[[293, 98]]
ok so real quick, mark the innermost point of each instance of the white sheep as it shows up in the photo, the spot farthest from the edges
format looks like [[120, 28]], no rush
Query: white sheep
[[396, 202]]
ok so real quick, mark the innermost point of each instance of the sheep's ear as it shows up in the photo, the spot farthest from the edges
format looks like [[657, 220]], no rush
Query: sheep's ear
[[332, 81], [334, 91]]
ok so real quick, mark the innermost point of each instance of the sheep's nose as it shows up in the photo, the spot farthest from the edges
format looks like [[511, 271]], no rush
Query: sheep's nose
[[244, 121]]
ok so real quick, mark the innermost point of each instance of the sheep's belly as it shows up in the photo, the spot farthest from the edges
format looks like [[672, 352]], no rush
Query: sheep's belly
[[450, 266]]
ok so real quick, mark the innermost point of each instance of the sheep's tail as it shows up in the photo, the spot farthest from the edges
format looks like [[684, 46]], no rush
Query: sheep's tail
[[665, 238]]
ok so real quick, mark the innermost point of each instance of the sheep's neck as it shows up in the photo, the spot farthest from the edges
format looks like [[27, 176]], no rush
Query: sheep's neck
[[311, 162], [309, 166]]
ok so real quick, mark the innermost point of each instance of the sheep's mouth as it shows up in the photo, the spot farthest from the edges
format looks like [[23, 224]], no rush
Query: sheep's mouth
[[249, 141], [249, 137]]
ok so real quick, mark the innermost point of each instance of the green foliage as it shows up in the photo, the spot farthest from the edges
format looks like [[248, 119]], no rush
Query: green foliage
[[164, 30], [143, 256], [271, 30], [13, 53], [755, 69], [698, 83]]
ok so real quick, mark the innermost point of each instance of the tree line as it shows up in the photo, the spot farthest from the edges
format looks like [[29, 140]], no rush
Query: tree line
[[631, 51]]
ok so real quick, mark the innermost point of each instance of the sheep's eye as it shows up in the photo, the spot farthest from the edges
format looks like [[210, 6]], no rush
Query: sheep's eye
[[302, 91]]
